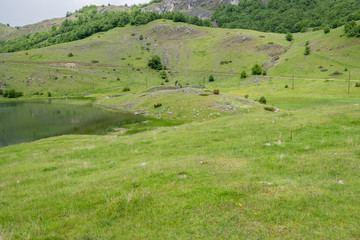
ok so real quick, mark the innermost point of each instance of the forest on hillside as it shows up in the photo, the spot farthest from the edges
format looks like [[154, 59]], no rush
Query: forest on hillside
[[282, 16]]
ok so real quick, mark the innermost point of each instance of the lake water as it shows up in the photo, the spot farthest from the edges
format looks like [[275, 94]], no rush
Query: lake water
[[28, 121]]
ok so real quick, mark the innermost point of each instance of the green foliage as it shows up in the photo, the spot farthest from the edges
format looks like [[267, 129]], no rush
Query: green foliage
[[307, 51], [262, 100], [141, 37], [326, 30], [307, 43], [180, 17], [216, 91], [357, 84], [155, 62], [11, 93], [243, 75], [126, 89], [284, 16], [1, 91], [352, 29], [211, 78], [264, 72], [49, 94], [246, 96], [68, 14], [257, 69], [163, 75], [289, 37], [286, 86], [70, 55], [269, 108]]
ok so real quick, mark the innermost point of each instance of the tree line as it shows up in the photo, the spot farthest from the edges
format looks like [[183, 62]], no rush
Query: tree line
[[283, 16], [89, 22]]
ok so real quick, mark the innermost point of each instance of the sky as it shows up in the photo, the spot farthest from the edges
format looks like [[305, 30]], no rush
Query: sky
[[23, 12]]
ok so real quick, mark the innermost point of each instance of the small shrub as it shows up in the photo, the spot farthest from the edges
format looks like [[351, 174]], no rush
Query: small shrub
[[49, 94], [307, 51], [225, 62], [268, 108], [326, 30], [118, 79], [216, 91], [95, 61], [70, 55], [345, 69], [243, 74], [211, 78], [141, 37], [357, 84], [289, 37], [133, 34], [247, 96], [156, 105], [264, 73], [163, 75], [126, 89], [262, 100], [307, 43], [286, 86], [1, 91]]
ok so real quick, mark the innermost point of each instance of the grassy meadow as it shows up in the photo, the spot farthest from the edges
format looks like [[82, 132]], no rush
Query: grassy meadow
[[203, 166]]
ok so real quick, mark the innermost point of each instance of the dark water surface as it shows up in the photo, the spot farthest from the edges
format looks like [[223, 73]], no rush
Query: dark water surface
[[28, 121]]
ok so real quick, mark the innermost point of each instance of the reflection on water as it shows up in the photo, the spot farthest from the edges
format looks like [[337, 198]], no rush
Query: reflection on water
[[28, 121]]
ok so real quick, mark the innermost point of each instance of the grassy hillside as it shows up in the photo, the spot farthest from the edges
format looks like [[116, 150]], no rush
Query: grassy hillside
[[46, 25], [209, 166]]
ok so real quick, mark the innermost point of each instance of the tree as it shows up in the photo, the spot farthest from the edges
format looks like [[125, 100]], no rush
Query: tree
[[243, 74], [155, 62], [211, 78], [179, 17], [257, 69], [289, 37]]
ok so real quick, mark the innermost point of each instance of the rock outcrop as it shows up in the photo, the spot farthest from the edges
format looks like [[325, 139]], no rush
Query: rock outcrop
[[199, 8]]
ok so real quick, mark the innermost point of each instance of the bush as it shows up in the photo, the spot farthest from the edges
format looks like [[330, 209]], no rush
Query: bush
[[268, 108], [11, 93], [307, 43], [126, 89], [49, 94], [247, 96], [141, 37], [243, 74], [264, 73], [286, 86], [307, 51], [357, 84], [163, 75], [257, 69], [289, 37], [262, 100], [216, 91], [70, 55], [1, 91], [156, 105], [211, 78], [326, 30], [155, 62]]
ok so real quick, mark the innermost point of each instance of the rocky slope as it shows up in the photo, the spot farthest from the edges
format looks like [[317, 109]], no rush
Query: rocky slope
[[199, 8]]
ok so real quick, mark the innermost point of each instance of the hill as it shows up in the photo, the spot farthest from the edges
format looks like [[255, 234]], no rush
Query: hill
[[202, 165]]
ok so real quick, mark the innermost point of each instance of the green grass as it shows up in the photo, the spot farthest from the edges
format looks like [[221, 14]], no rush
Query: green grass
[[250, 173], [94, 187]]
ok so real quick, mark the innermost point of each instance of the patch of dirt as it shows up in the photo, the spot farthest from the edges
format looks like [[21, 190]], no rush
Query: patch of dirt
[[237, 41], [272, 50], [169, 32]]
